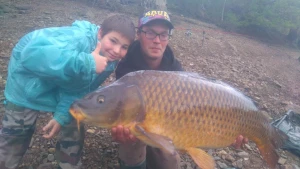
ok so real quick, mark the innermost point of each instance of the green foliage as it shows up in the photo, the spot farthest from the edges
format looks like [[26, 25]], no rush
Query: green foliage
[[270, 15]]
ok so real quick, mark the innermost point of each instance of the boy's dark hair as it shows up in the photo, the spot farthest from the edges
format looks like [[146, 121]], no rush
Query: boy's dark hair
[[119, 23]]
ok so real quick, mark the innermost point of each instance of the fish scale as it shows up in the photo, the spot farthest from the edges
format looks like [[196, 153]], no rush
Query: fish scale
[[180, 111]]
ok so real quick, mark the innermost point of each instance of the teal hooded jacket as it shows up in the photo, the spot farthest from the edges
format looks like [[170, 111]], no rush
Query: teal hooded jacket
[[50, 68]]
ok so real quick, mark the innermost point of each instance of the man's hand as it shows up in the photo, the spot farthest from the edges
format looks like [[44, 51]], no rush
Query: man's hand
[[51, 129], [101, 61], [240, 141], [122, 135]]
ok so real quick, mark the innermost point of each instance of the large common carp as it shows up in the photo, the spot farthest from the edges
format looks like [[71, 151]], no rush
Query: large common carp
[[180, 111]]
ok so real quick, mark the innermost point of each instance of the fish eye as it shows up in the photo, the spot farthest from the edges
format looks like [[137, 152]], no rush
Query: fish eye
[[100, 99]]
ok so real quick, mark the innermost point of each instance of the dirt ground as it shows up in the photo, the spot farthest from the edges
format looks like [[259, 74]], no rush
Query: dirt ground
[[269, 74]]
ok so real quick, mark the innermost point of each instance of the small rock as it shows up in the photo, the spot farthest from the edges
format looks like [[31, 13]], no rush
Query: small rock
[[221, 165], [183, 164], [228, 157], [238, 163], [257, 98], [288, 166], [234, 69], [246, 162], [91, 131], [217, 158], [23, 7], [47, 12], [267, 116], [243, 154], [285, 103], [45, 166], [248, 147], [115, 144], [277, 84], [189, 166], [223, 157], [281, 160], [283, 155], [265, 106], [222, 152], [2, 109], [51, 150], [2, 98], [2, 54], [210, 152], [31, 142], [50, 157]]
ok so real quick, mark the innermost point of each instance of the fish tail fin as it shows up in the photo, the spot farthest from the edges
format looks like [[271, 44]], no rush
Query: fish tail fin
[[278, 137], [267, 148]]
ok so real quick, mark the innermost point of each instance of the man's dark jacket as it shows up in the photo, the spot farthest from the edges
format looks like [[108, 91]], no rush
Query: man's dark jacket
[[134, 61]]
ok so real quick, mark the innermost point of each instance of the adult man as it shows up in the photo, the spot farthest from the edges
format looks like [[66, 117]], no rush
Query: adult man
[[149, 52]]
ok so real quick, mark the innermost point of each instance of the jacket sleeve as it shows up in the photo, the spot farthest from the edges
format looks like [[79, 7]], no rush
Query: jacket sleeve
[[59, 61], [62, 114]]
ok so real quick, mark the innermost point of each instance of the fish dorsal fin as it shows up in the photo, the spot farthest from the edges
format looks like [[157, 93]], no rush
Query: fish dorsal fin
[[153, 139], [201, 158]]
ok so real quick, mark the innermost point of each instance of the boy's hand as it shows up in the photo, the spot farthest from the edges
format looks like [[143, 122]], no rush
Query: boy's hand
[[100, 61], [54, 128], [122, 135]]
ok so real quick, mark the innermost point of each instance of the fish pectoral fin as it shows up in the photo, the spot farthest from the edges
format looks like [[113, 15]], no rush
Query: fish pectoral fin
[[153, 139], [269, 154], [201, 158]]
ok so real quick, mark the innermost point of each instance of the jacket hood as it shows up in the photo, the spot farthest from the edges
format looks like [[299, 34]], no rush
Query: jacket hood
[[136, 60]]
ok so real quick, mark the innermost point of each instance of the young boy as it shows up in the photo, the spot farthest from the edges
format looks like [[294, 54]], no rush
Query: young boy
[[50, 68]]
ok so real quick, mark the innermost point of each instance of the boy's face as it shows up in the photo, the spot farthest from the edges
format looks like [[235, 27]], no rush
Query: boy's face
[[114, 45], [153, 48]]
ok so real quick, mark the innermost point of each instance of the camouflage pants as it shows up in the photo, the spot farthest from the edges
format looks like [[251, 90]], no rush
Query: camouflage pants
[[141, 156], [18, 126]]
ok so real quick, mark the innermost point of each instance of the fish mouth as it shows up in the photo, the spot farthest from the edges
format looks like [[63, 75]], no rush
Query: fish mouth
[[78, 115]]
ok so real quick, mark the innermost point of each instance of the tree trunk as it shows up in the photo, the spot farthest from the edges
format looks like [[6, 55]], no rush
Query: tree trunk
[[154, 4], [223, 10]]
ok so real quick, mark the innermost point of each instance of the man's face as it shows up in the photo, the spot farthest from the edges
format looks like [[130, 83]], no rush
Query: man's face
[[153, 48], [114, 45]]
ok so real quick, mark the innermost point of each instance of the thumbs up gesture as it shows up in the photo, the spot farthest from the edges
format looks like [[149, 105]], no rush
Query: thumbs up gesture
[[100, 61]]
